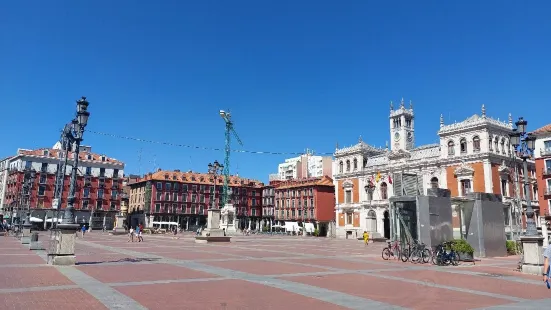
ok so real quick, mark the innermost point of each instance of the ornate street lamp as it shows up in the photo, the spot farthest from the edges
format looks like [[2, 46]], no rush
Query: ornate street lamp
[[215, 170], [73, 134], [523, 144]]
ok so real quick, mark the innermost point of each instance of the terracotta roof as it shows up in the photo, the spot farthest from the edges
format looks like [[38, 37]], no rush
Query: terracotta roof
[[198, 178], [321, 181], [54, 153], [544, 129]]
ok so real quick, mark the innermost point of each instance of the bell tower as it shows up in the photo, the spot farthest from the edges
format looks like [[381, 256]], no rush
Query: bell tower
[[402, 127]]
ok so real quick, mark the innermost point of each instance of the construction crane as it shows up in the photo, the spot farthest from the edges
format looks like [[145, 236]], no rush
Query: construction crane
[[226, 116]]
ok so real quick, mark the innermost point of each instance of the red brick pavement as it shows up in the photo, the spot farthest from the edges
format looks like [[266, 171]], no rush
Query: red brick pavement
[[26, 277], [141, 272], [224, 294], [240, 294], [48, 300], [400, 293]]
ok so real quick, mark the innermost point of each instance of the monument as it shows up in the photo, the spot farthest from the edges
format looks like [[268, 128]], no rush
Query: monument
[[228, 223], [213, 233], [119, 228], [26, 236]]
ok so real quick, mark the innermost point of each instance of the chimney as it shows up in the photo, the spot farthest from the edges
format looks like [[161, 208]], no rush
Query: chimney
[[159, 169]]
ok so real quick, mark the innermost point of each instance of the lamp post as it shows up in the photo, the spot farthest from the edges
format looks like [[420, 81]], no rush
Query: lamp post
[[215, 170], [28, 193], [73, 134], [523, 143]]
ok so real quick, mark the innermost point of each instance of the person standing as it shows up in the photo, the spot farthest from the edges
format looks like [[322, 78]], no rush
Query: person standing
[[366, 238], [83, 229], [546, 258]]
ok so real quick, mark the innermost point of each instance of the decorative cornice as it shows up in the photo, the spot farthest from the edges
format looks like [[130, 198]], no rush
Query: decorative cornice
[[464, 170], [472, 122], [347, 184]]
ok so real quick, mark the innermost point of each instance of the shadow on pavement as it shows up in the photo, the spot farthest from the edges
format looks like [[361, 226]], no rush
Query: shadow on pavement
[[123, 260]]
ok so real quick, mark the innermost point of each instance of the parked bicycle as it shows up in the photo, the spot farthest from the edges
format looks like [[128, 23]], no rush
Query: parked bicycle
[[392, 250], [445, 255], [419, 253]]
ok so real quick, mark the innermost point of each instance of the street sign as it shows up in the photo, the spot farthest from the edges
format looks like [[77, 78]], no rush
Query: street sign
[[55, 203]]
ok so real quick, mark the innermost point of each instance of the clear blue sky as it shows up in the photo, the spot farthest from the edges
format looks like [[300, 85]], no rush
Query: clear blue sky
[[296, 74]]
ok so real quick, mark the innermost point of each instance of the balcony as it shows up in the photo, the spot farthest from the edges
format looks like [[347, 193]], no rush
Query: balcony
[[545, 152]]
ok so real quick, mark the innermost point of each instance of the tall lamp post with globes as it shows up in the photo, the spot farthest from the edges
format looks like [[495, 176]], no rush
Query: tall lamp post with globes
[[63, 252], [523, 143], [532, 243], [215, 170]]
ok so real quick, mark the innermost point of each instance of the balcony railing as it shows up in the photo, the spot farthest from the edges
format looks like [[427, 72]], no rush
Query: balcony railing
[[545, 151]]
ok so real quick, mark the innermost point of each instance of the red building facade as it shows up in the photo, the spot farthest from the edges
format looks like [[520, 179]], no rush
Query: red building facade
[[185, 197], [97, 192], [305, 201], [542, 154]]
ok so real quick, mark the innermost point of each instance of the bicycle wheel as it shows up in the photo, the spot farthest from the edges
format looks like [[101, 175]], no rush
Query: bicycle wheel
[[405, 255], [426, 256], [415, 256], [386, 254], [454, 258]]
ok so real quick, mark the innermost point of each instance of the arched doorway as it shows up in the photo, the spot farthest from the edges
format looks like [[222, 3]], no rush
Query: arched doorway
[[371, 221], [386, 224]]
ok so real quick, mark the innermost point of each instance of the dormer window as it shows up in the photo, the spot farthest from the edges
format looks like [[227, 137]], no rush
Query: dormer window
[[102, 158], [45, 153], [451, 148], [476, 144], [89, 157], [463, 145]]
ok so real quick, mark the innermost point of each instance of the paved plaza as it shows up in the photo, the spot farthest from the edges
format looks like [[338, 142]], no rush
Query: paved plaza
[[254, 272]]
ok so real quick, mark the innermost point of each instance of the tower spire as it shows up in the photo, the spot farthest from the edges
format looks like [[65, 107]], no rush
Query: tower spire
[[402, 103], [441, 120], [391, 106], [510, 120], [483, 111], [410, 105]]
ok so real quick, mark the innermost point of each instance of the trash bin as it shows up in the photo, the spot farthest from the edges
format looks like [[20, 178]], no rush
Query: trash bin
[[34, 237]]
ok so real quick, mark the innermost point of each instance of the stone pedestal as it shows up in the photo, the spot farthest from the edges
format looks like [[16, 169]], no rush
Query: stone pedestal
[[532, 247], [35, 245], [62, 246], [212, 233], [26, 234], [228, 222], [119, 225]]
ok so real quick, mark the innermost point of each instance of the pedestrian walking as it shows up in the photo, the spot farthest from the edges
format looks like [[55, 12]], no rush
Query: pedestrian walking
[[83, 230], [366, 238], [131, 235], [546, 269]]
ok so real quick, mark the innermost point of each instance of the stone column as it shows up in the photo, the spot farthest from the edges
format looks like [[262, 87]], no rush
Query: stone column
[[532, 247]]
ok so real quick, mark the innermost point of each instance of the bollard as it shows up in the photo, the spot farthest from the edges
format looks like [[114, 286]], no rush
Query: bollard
[[35, 245]]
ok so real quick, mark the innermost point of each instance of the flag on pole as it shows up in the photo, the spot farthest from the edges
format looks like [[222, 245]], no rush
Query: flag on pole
[[389, 179], [378, 177]]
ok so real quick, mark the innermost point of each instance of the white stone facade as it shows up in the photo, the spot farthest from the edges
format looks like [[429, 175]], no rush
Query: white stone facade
[[463, 148]]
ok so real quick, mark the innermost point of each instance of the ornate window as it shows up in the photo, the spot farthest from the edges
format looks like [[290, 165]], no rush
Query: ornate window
[[463, 145], [451, 148], [503, 145], [490, 143], [340, 167], [355, 164], [348, 166], [384, 191], [496, 145], [465, 187], [371, 221], [476, 144], [365, 162], [434, 182]]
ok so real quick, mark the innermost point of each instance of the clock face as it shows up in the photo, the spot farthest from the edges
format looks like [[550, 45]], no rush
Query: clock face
[[396, 136], [410, 136]]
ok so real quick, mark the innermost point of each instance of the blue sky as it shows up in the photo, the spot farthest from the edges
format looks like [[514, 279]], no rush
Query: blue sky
[[295, 74]]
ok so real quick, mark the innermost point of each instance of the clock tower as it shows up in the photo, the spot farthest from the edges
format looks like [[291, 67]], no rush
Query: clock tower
[[402, 127]]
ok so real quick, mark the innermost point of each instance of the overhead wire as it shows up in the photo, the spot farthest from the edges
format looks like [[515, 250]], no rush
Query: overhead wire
[[195, 146]]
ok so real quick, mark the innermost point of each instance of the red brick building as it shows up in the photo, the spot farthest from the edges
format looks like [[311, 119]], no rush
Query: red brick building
[[542, 154], [185, 197], [97, 193], [305, 201]]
